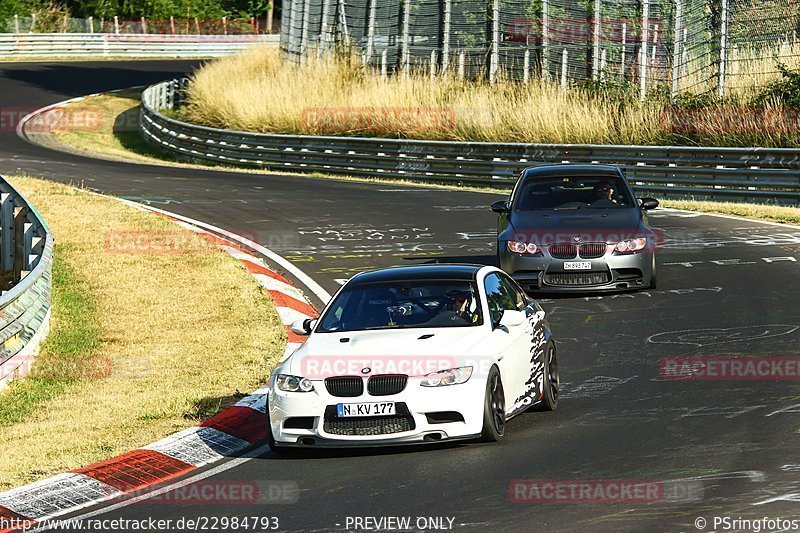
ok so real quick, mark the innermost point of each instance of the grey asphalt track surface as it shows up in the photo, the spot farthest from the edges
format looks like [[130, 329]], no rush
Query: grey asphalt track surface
[[726, 287]]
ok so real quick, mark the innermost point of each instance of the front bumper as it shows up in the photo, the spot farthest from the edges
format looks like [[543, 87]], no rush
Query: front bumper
[[290, 410], [612, 272]]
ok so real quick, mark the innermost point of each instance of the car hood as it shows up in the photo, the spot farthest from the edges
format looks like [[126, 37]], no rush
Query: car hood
[[404, 351], [544, 227]]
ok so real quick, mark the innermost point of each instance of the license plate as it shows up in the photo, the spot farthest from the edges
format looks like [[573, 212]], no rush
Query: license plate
[[577, 265], [344, 410]]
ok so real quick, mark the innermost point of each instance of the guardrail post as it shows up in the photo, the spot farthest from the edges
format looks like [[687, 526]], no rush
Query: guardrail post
[[116, 24], [172, 25], [6, 232], [225, 25], [564, 59], [545, 40], [384, 66], [643, 52], [33, 23], [433, 66], [91, 25], [494, 62], [461, 65], [20, 213], [596, 42], [676, 48], [448, 8], [723, 49], [144, 26], [16, 23]]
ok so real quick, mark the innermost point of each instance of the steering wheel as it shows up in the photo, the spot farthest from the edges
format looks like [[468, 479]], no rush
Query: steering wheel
[[570, 205]]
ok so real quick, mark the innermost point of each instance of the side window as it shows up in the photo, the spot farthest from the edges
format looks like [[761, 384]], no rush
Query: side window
[[518, 295], [498, 297]]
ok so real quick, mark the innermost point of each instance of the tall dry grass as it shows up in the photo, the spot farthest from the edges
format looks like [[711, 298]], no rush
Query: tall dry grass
[[258, 91]]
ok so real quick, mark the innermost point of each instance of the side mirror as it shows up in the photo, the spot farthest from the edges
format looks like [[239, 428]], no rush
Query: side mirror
[[500, 207], [648, 203], [304, 326], [512, 318]]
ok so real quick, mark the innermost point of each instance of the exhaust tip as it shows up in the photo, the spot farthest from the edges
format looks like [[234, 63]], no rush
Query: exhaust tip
[[308, 441], [432, 437]]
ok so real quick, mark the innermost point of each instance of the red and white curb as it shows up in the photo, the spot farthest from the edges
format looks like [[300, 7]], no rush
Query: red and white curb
[[229, 432]]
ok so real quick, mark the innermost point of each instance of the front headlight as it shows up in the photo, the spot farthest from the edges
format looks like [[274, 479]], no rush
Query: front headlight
[[452, 376], [523, 248], [288, 383], [631, 245]]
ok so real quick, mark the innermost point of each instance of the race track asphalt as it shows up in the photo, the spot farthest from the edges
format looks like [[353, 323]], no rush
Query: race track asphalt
[[726, 287]]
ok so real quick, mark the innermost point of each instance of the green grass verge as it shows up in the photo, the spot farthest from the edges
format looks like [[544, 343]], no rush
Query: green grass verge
[[68, 354]]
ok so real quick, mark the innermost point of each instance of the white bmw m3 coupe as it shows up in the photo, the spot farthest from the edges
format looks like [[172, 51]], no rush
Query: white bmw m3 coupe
[[412, 355]]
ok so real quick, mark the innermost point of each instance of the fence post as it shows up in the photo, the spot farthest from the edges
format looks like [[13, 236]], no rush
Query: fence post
[[526, 66], [225, 25], [495, 56], [91, 25], [602, 65], [643, 51], [624, 47], [16, 23], [144, 25], [655, 44], [676, 48], [406, 36], [545, 39], [723, 49], [564, 59], [433, 66], [596, 42], [370, 30], [270, 10], [116, 24], [461, 65], [324, 27], [304, 31], [384, 66], [172, 25], [448, 9]]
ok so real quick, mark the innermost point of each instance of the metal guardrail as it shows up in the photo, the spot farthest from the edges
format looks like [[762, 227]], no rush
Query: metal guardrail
[[763, 175], [26, 260], [32, 45]]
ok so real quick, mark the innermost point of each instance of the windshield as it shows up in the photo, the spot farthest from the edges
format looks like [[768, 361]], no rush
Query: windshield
[[579, 192], [407, 304]]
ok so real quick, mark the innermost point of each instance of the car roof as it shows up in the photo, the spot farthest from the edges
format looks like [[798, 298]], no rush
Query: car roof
[[556, 171], [419, 272]]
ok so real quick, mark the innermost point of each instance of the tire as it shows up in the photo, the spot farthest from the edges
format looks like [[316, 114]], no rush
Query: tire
[[494, 408], [551, 383], [653, 281]]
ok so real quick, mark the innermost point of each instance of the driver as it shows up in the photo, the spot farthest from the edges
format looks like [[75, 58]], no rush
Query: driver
[[459, 302], [604, 191]]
